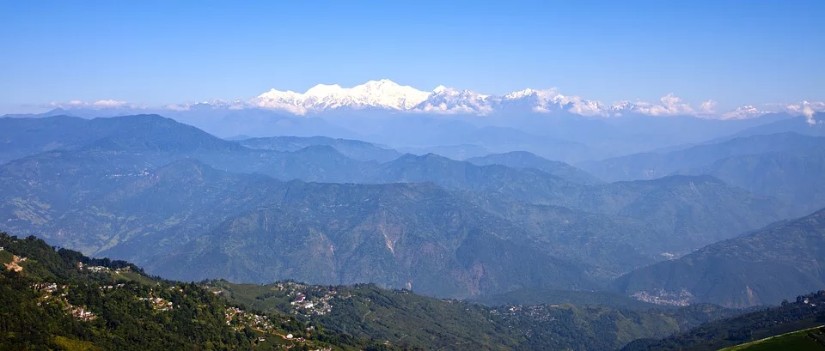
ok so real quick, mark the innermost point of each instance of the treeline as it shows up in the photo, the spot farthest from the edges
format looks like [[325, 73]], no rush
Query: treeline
[[805, 312]]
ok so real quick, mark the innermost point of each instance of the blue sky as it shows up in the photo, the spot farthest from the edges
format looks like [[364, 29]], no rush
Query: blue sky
[[158, 52]]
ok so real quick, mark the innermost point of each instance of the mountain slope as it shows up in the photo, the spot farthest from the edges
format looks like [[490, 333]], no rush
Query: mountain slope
[[693, 210], [806, 312], [523, 159], [785, 166], [397, 235], [22, 137], [28, 136], [758, 268], [86, 199], [666, 216], [68, 301], [163, 185], [523, 184], [152, 140], [59, 299], [189, 221], [411, 321], [698, 208], [798, 124], [793, 176], [354, 149], [655, 164]]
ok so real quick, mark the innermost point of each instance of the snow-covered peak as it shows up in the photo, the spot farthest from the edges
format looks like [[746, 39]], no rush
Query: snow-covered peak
[[324, 90], [440, 89], [382, 93], [454, 101], [388, 94], [550, 100], [521, 94], [273, 94]]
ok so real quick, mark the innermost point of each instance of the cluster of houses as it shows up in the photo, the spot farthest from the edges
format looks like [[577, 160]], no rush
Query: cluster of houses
[[50, 288], [143, 173], [81, 313], [158, 303], [111, 287], [99, 269], [52, 293], [663, 297], [239, 319], [806, 301], [318, 306]]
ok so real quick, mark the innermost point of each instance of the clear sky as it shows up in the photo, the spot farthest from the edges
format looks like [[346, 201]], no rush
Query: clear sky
[[158, 52]]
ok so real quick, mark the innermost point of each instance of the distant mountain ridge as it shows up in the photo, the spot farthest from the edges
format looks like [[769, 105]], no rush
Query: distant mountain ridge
[[194, 206], [787, 166], [386, 95], [28, 136], [524, 159], [355, 149], [203, 223], [655, 164], [559, 135], [762, 267]]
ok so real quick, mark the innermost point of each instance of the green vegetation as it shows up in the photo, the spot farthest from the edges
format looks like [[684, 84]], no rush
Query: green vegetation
[[410, 321], [802, 340], [59, 299], [807, 311], [566, 297], [759, 268]]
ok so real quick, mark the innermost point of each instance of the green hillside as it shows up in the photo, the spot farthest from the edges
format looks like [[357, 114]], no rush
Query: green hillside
[[807, 311], [759, 268], [62, 300], [410, 321], [59, 299], [812, 339]]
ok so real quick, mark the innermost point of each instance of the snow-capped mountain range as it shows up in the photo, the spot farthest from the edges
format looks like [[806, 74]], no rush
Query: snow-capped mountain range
[[385, 94]]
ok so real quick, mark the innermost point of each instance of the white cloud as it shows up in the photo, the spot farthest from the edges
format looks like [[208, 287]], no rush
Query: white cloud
[[178, 107], [708, 107], [669, 105], [109, 103], [99, 104], [806, 109]]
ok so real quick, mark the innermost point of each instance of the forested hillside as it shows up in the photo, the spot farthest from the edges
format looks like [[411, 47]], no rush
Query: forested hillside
[[760, 268], [60, 299]]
